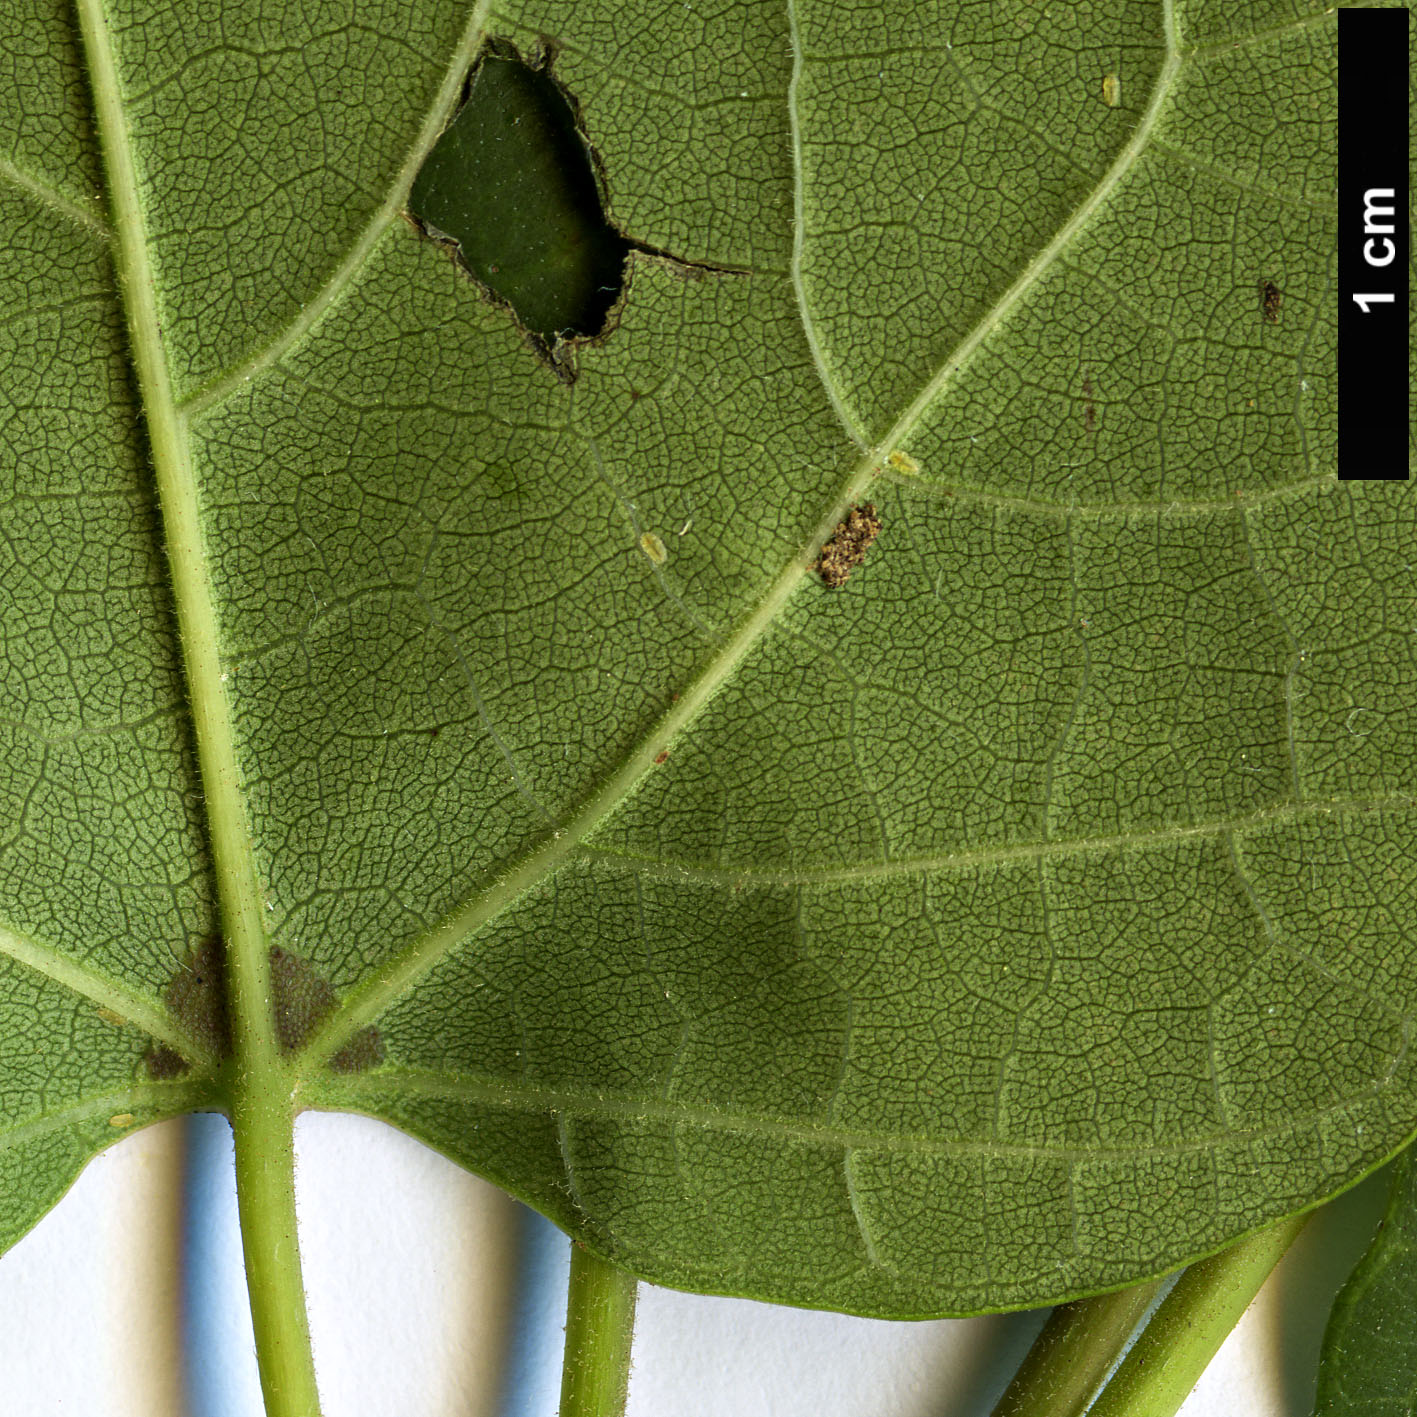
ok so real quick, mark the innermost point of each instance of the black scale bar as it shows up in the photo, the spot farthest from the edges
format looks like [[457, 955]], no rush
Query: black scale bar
[[1372, 244]]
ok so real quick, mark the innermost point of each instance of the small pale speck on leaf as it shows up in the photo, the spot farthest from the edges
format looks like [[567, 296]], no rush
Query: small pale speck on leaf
[[122, 1119], [1353, 718], [903, 462], [654, 548], [1111, 90]]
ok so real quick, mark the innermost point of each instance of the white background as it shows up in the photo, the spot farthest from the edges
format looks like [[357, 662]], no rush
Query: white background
[[433, 1295]]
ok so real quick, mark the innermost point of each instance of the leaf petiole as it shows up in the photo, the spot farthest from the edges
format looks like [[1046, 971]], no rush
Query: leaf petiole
[[263, 1122], [1073, 1354], [600, 1328], [1186, 1331]]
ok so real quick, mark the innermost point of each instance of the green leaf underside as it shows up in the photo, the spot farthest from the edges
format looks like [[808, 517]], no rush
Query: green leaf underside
[[1025, 917], [1369, 1361]]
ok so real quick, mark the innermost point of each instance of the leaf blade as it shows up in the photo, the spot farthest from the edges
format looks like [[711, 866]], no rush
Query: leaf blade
[[1369, 1358], [856, 947]]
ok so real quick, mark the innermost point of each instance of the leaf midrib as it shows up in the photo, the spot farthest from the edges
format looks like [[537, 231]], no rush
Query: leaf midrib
[[167, 421], [229, 836]]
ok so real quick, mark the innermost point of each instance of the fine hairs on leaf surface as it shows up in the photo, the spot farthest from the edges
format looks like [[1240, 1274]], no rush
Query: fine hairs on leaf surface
[[1025, 916]]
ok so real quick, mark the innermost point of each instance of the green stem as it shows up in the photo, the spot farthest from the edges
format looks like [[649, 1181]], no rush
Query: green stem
[[262, 1111], [600, 1326], [262, 1119], [1196, 1317], [1074, 1353]]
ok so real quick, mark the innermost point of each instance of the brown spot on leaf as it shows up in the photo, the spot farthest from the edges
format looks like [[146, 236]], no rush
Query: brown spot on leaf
[[196, 999], [164, 1063], [1089, 409], [303, 998], [849, 544], [662, 756], [363, 1051], [1271, 298]]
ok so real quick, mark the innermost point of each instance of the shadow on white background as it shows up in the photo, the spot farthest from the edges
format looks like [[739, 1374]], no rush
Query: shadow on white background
[[433, 1295]]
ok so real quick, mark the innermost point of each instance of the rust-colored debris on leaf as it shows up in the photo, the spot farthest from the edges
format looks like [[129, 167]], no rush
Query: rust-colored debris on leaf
[[1270, 300], [848, 545]]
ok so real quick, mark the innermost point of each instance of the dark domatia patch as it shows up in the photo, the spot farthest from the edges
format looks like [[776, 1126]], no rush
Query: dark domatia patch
[[849, 544], [196, 999], [302, 998]]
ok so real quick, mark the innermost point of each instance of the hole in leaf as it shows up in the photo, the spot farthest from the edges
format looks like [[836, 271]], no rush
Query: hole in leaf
[[512, 183]]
